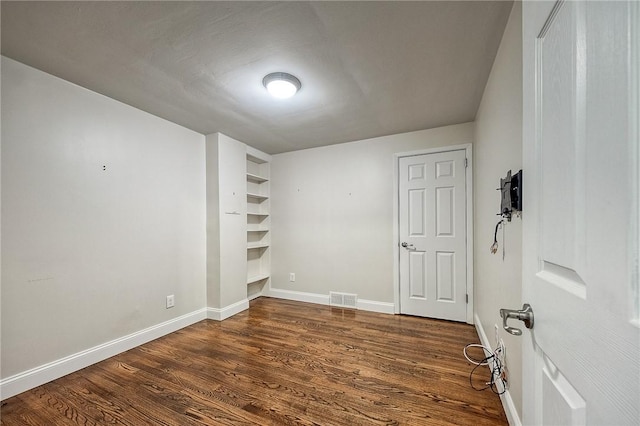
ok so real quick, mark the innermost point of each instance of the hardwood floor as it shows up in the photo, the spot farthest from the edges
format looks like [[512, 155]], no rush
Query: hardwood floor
[[278, 363]]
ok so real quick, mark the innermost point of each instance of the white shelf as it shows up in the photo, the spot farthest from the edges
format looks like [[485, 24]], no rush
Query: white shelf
[[255, 178], [257, 197], [256, 278], [257, 214], [258, 230], [253, 246]]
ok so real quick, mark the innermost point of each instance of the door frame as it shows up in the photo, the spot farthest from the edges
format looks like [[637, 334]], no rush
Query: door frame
[[468, 214]]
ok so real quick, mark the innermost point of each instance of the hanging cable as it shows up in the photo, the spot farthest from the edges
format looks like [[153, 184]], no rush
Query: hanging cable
[[494, 246], [497, 382], [503, 245], [474, 361]]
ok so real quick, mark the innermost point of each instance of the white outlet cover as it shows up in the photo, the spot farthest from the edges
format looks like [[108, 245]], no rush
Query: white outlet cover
[[170, 301]]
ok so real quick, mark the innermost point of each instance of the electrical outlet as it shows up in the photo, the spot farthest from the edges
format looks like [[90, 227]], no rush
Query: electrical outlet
[[497, 334], [171, 301], [503, 351], [292, 277], [504, 373]]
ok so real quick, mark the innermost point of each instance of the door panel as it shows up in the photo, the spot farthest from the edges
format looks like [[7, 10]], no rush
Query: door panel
[[418, 275], [581, 359], [417, 213], [445, 276], [445, 208], [562, 403], [432, 210]]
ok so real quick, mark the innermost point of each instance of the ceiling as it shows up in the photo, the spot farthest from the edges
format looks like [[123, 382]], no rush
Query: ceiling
[[367, 68]]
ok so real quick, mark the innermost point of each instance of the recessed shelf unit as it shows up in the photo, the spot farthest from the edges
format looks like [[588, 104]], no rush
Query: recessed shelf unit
[[258, 222]]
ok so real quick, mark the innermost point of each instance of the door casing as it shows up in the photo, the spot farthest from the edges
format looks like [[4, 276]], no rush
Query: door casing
[[469, 220]]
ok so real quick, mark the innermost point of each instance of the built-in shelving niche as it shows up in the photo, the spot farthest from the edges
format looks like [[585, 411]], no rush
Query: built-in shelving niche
[[258, 225]]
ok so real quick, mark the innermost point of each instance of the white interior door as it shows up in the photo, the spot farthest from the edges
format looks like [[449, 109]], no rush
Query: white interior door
[[580, 238], [432, 212]]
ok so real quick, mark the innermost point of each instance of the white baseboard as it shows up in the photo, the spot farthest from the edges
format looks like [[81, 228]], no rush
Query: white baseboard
[[323, 299], [220, 314], [254, 296], [30, 379], [374, 306], [505, 398], [298, 296]]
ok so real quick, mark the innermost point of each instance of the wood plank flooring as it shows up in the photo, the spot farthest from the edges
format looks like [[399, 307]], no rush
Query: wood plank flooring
[[279, 363]]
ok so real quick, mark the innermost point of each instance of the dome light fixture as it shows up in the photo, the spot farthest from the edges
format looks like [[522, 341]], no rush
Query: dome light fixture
[[281, 85]]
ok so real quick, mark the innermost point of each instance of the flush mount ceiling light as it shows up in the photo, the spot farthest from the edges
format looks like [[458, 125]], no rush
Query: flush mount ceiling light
[[281, 85]]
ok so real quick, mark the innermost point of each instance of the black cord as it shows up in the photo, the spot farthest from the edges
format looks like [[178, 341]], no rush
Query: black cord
[[494, 247], [495, 233], [496, 371]]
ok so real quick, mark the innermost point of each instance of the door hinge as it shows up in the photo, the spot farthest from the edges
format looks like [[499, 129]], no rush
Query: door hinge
[[467, 298], [466, 163]]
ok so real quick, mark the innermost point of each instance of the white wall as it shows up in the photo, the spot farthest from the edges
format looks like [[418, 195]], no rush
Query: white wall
[[498, 148], [88, 255], [226, 221], [213, 221], [332, 213]]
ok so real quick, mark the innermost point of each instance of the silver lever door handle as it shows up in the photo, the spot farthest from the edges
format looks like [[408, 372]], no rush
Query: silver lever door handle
[[525, 315], [407, 245]]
